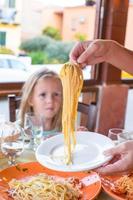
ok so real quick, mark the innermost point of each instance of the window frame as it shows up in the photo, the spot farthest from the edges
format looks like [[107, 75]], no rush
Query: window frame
[[2, 38]]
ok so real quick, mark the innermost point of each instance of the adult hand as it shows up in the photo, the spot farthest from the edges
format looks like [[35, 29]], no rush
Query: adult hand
[[91, 52], [124, 162]]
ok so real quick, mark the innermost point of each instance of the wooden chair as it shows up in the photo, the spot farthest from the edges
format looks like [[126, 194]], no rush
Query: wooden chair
[[88, 115], [14, 103]]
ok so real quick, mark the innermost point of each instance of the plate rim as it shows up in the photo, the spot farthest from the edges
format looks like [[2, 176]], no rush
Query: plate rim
[[111, 193]]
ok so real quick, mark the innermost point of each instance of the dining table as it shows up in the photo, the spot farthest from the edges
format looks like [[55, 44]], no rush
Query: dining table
[[28, 155]]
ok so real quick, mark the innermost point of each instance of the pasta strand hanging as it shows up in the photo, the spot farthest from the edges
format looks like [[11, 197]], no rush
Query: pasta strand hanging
[[72, 82]]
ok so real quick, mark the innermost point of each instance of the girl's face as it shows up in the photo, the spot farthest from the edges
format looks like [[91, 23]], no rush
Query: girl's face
[[46, 98]]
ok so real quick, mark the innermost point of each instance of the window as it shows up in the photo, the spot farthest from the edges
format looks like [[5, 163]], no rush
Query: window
[[2, 38], [14, 64], [3, 63], [9, 63], [11, 3]]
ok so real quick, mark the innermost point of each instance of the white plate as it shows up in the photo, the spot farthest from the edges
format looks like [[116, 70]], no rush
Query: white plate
[[88, 153]]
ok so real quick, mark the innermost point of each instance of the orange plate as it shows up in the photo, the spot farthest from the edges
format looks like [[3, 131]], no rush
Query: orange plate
[[107, 189], [91, 180]]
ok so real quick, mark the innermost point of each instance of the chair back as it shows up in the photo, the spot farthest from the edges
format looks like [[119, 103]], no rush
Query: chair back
[[88, 115], [14, 103]]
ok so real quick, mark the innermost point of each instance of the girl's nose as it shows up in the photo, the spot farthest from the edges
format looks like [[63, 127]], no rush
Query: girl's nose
[[49, 99]]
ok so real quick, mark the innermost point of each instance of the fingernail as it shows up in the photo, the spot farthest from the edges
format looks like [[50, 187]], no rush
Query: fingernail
[[79, 61]]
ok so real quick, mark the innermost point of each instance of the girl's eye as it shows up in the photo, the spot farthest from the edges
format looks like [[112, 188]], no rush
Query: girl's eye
[[43, 95], [56, 94]]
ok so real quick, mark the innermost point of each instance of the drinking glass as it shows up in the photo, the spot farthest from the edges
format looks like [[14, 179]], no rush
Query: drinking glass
[[114, 133], [12, 141], [126, 135], [33, 127]]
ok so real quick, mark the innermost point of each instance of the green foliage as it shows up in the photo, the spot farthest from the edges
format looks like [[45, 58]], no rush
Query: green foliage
[[59, 51], [52, 32], [80, 37], [36, 44], [38, 57], [4, 50], [45, 50]]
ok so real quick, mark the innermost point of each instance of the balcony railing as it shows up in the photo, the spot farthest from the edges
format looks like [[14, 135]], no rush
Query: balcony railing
[[8, 16]]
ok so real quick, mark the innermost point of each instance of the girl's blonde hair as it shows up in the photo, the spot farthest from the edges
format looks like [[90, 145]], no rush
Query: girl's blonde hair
[[27, 91]]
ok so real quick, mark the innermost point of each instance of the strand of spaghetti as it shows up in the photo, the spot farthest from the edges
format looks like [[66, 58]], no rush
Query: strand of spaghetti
[[72, 82], [68, 109], [66, 118]]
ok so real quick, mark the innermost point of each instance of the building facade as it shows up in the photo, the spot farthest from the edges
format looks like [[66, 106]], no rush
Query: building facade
[[10, 24], [21, 20]]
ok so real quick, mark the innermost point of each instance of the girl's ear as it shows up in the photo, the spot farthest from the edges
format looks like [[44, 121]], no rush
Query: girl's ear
[[30, 101]]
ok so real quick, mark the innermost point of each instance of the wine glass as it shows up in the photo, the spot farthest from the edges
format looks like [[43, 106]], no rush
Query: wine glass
[[12, 141], [33, 127], [114, 133]]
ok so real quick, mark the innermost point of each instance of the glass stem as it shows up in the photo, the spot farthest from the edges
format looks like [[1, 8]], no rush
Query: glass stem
[[12, 160], [31, 145]]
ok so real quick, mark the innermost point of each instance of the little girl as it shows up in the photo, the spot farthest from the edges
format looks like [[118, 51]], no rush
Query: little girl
[[42, 95]]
